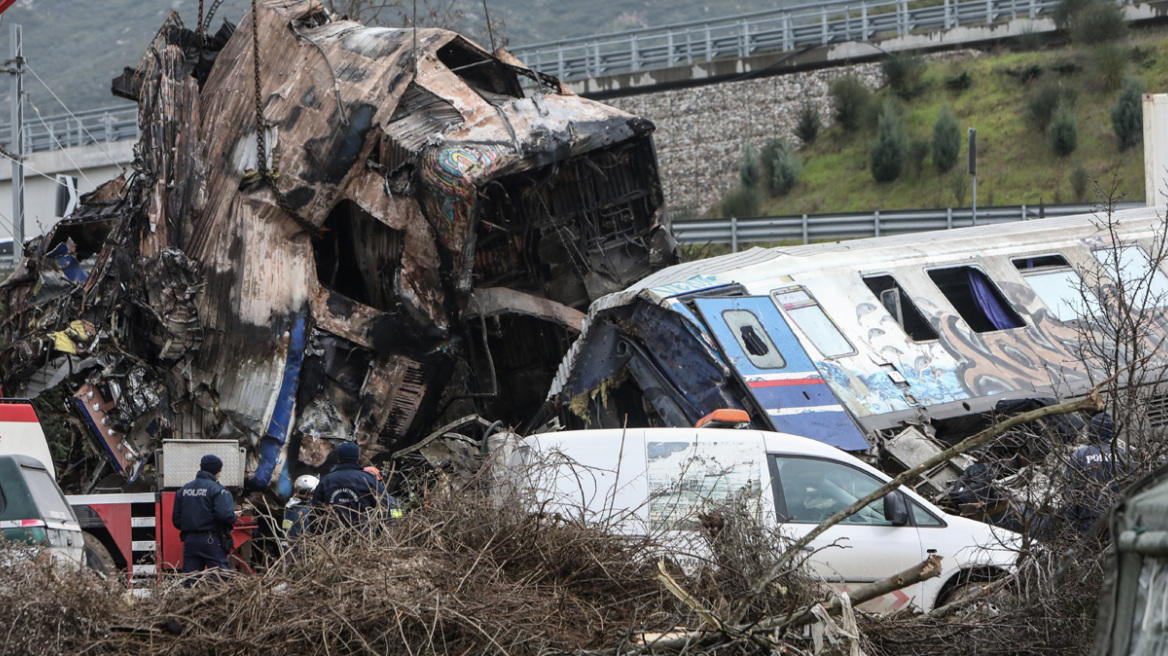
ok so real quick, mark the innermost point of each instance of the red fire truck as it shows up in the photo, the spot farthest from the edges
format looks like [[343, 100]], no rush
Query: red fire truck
[[131, 532]]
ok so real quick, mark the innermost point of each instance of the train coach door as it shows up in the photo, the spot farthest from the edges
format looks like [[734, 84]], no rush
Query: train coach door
[[758, 344]]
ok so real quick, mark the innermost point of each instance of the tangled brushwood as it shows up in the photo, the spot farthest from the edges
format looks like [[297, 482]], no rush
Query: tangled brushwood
[[472, 572], [465, 575]]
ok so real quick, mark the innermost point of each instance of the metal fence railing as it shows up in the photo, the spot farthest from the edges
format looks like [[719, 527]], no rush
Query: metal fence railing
[[809, 228], [59, 131], [777, 30]]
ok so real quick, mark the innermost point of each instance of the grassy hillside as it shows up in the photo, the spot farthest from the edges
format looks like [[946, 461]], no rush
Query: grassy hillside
[[1016, 164]]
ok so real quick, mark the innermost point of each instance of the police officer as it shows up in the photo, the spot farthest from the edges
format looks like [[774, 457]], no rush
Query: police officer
[[204, 513], [350, 491], [1092, 473]]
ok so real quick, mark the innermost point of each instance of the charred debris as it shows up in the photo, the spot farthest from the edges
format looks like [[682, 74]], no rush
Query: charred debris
[[359, 235]]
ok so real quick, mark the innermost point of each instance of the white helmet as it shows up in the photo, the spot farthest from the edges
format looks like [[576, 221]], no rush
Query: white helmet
[[305, 484]]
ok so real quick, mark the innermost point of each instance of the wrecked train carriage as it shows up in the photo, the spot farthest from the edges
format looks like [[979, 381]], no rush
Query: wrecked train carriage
[[854, 343], [407, 229]]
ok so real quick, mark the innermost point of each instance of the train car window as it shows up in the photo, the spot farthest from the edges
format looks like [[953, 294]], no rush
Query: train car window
[[976, 299], [1058, 286], [1145, 285], [901, 307], [750, 334], [813, 321]]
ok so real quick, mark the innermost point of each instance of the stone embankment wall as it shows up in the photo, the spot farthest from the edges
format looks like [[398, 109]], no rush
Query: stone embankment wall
[[702, 131]]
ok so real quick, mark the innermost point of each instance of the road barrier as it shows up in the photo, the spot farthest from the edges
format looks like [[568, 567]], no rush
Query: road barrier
[[777, 30], [807, 228]]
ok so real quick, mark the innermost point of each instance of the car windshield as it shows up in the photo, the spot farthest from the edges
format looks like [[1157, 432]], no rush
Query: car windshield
[[49, 500]]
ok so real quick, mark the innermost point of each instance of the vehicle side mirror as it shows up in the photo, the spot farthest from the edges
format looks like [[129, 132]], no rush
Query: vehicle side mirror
[[896, 508]]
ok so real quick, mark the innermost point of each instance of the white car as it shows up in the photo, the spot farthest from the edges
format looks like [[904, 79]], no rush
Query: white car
[[647, 480]]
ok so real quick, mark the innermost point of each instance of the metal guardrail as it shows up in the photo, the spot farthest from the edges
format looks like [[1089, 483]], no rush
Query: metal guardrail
[[59, 131], [809, 228], [778, 30]]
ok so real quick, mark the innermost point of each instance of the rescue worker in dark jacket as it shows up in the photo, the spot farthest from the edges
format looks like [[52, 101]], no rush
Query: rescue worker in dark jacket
[[204, 513], [350, 491]]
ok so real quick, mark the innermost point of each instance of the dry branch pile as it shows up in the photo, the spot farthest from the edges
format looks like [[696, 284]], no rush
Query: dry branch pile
[[464, 576]]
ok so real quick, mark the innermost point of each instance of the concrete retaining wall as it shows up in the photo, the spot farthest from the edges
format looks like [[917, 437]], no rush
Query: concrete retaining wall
[[703, 131]]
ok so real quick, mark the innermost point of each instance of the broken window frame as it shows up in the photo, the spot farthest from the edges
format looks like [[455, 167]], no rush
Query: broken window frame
[[500, 87], [1076, 304], [351, 269], [815, 333], [769, 353], [970, 311], [1154, 289], [904, 305]]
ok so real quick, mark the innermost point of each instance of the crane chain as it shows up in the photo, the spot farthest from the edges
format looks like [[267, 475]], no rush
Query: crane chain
[[262, 173]]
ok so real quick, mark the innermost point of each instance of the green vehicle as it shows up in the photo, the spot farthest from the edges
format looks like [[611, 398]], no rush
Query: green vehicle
[[33, 510], [1133, 602]]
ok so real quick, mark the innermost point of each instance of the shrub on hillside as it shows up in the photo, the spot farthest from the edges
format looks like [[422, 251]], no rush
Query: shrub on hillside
[[958, 185], [946, 140], [890, 149], [741, 202], [1079, 181], [1067, 12], [748, 171], [1100, 22], [783, 166], [849, 101], [808, 125], [1109, 64], [1025, 74], [1064, 133], [918, 150], [959, 82], [903, 70], [1045, 99], [1127, 115]]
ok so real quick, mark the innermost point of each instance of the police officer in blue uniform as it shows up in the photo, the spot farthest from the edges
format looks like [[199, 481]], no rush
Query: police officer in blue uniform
[[350, 491], [204, 513]]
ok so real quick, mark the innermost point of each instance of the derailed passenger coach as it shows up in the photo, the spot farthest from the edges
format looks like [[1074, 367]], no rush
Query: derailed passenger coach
[[853, 343]]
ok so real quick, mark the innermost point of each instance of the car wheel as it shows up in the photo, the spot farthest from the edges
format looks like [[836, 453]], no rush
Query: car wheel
[[963, 590], [97, 557]]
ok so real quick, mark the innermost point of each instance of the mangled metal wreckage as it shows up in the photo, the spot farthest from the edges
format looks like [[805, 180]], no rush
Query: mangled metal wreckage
[[410, 233]]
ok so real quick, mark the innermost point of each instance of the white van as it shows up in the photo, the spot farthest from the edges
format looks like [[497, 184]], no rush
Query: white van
[[646, 480]]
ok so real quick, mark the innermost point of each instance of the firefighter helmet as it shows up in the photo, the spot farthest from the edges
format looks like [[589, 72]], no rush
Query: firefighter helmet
[[306, 484]]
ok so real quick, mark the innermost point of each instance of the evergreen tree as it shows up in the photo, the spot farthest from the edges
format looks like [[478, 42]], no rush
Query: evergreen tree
[[946, 141], [889, 150], [1127, 115]]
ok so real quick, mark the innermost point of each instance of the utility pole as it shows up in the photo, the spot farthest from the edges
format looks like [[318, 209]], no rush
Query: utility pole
[[973, 168], [16, 70]]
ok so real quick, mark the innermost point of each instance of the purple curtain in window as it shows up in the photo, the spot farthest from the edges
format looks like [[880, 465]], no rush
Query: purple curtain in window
[[1001, 317]]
